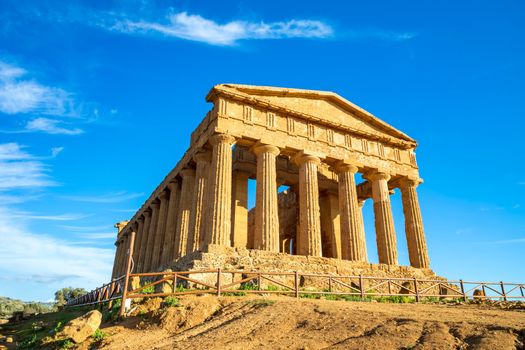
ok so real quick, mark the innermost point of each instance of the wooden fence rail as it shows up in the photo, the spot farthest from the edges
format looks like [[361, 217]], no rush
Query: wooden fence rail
[[233, 282]]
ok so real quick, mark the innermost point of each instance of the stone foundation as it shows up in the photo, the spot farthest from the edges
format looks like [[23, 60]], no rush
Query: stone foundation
[[247, 260]]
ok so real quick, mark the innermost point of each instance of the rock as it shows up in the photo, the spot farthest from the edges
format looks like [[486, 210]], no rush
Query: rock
[[83, 327], [9, 339], [479, 294]]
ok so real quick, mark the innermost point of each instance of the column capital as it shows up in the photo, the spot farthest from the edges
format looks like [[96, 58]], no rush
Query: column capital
[[377, 175], [120, 225], [222, 138], [172, 185], [147, 212], [343, 166], [202, 156], [140, 218], [407, 182], [187, 172], [301, 158], [259, 148], [155, 203], [163, 194]]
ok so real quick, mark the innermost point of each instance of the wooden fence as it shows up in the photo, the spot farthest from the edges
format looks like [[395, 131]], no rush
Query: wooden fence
[[297, 284]]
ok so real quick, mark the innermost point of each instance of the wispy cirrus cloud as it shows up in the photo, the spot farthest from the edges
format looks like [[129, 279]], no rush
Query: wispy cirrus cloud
[[50, 126], [197, 28], [21, 170], [20, 94], [505, 241], [59, 262], [113, 197]]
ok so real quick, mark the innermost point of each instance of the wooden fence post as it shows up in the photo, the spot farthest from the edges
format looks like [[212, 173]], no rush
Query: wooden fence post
[[416, 289], [219, 282], [296, 284], [330, 284], [462, 286], [110, 295], [361, 287], [122, 312], [174, 288], [503, 291]]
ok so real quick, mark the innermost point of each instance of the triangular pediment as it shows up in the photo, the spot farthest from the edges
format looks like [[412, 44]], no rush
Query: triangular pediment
[[319, 105]]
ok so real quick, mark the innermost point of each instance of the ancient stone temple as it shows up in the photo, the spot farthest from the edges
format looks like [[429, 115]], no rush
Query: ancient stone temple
[[313, 143]]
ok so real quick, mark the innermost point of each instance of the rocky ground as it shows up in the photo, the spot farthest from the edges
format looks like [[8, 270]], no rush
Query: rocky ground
[[255, 322]]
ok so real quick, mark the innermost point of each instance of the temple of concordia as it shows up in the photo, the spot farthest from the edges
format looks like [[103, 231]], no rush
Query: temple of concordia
[[312, 142]]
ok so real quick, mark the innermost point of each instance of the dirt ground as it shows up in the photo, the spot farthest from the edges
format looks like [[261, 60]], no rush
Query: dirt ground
[[254, 322]]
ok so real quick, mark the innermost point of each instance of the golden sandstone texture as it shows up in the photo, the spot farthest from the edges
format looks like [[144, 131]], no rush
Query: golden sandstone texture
[[310, 143]]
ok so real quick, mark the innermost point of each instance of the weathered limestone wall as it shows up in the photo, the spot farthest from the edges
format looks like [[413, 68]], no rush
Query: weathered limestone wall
[[259, 260]]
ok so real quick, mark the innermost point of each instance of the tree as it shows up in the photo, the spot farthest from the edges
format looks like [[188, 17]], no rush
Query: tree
[[64, 295]]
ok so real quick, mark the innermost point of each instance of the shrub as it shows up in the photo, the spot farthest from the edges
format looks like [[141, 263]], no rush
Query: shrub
[[98, 335], [171, 302], [148, 290]]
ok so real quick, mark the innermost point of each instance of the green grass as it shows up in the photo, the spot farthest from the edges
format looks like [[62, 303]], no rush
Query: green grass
[[171, 302], [98, 336], [148, 290], [33, 333]]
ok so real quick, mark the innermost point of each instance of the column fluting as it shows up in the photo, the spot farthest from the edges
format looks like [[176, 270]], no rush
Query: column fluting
[[220, 190], [383, 218], [415, 233], [160, 232], [171, 224], [352, 237], [266, 234], [198, 215], [309, 235], [183, 217], [144, 242], [151, 235]]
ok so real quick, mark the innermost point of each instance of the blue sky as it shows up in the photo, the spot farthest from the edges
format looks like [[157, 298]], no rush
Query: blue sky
[[98, 100]]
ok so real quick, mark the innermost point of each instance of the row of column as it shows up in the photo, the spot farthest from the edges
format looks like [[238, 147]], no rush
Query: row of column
[[198, 211]]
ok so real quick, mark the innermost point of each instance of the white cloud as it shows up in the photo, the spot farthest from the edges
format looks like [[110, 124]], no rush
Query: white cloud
[[23, 95], [55, 151], [37, 258], [58, 217], [50, 126], [196, 28], [21, 170], [114, 197], [506, 241]]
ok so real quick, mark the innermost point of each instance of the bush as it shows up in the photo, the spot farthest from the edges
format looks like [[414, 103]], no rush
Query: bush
[[171, 302], [98, 335], [148, 290]]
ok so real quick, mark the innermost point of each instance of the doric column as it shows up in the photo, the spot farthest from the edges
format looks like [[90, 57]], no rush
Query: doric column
[[151, 235], [114, 273], [384, 221], [137, 247], [160, 231], [266, 234], [330, 224], [198, 215], [417, 246], [352, 237], [168, 248], [239, 236], [122, 254], [309, 235], [144, 243], [361, 204], [220, 195], [183, 217]]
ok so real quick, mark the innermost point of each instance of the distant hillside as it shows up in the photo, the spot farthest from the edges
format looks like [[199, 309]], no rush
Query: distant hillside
[[8, 306]]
